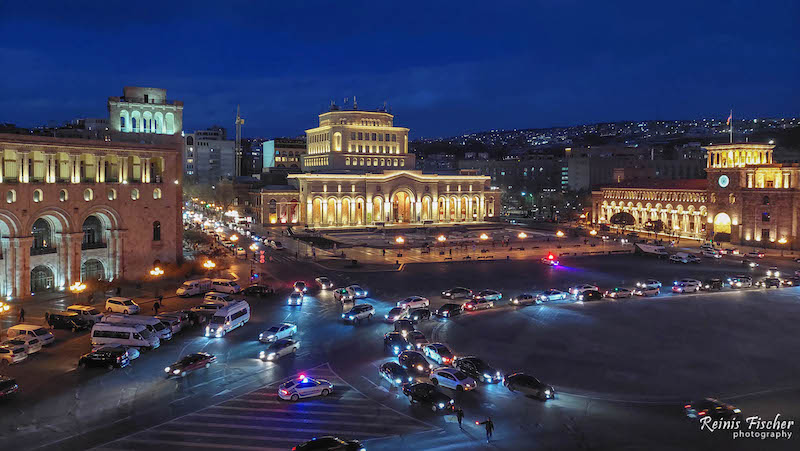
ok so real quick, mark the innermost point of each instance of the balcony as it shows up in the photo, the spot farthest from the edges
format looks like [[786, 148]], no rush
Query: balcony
[[98, 245], [43, 250]]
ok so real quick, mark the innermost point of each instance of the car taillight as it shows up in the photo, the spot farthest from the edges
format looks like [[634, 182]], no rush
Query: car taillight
[[119, 359], [284, 392], [687, 406], [701, 413]]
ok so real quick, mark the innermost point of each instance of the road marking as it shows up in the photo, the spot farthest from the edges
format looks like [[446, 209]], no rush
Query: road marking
[[259, 427], [379, 387], [202, 445]]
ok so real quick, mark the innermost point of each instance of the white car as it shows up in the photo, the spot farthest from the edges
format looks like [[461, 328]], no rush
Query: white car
[[122, 305], [453, 379], [395, 313], [275, 333], [710, 253], [324, 283], [280, 348], [350, 293], [649, 283], [32, 345], [689, 281], [618, 293], [773, 271], [295, 298], [552, 295], [240, 252], [684, 287], [304, 387], [413, 302], [358, 313], [12, 353], [647, 289], [580, 289], [439, 353]]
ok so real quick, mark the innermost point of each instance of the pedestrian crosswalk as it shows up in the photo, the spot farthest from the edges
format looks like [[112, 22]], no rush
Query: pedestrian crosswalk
[[259, 420]]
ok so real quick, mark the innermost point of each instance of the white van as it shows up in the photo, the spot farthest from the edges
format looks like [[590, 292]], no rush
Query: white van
[[227, 318], [124, 334], [121, 305], [153, 324], [31, 330], [225, 286], [86, 312], [173, 322], [194, 287]]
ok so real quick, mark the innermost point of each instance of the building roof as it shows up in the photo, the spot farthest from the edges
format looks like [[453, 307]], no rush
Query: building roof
[[683, 184], [11, 138]]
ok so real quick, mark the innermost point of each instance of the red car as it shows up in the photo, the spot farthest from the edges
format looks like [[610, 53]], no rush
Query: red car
[[190, 363]]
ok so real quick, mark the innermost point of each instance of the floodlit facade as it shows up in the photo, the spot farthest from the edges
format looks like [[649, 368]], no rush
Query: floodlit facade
[[145, 110], [746, 198], [354, 176], [85, 210]]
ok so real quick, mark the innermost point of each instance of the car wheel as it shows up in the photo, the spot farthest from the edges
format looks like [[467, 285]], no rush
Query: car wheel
[[294, 398], [125, 312], [433, 408], [110, 366], [80, 364], [183, 373], [325, 392], [369, 318], [108, 309], [435, 381], [208, 364], [459, 388], [294, 350]]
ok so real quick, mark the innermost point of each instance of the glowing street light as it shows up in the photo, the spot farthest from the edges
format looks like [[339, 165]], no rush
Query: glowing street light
[[593, 232], [441, 238], [782, 241], [208, 264], [399, 240], [484, 236], [254, 247], [155, 272], [77, 287], [522, 235], [560, 234], [234, 238]]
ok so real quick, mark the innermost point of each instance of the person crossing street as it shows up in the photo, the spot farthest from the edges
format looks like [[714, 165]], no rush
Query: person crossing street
[[489, 428]]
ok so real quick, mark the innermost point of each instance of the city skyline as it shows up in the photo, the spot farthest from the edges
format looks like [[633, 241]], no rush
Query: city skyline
[[603, 64]]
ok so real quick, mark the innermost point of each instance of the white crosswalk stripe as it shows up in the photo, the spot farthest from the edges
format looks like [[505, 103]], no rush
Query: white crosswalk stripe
[[260, 420]]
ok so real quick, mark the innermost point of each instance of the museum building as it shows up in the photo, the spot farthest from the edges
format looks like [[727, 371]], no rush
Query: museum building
[[357, 172], [746, 198]]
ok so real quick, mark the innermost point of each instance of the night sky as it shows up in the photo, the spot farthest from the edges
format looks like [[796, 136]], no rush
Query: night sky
[[444, 68]]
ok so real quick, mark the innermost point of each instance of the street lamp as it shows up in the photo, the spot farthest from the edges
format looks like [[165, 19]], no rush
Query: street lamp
[[484, 236], [254, 247], [593, 232], [782, 241], [77, 288], [399, 240], [234, 238], [522, 235], [209, 265], [441, 238], [560, 234]]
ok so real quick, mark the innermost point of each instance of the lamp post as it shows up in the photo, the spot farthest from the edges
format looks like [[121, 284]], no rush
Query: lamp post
[[76, 289], [156, 273], [782, 242], [560, 234], [400, 240], [677, 229]]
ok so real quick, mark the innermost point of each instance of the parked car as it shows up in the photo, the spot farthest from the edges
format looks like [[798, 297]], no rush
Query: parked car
[[68, 320], [258, 290], [190, 363], [529, 385], [121, 305], [225, 286], [31, 345], [194, 287], [12, 353], [105, 358], [358, 313], [8, 387], [31, 330], [478, 369], [457, 293], [756, 254], [87, 312]]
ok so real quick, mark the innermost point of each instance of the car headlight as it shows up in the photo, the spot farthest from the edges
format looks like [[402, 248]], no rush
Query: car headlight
[[350, 317], [271, 356], [419, 367], [386, 316], [397, 381], [446, 313], [487, 376], [167, 369], [261, 355], [260, 336], [343, 315], [270, 337], [176, 371], [441, 405]]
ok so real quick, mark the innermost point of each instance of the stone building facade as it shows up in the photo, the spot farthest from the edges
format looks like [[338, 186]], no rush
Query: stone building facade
[[746, 198], [145, 110], [81, 210]]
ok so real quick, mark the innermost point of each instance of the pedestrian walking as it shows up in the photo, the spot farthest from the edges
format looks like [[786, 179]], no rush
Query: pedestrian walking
[[156, 306], [119, 291], [21, 315], [47, 318], [459, 416], [489, 428]]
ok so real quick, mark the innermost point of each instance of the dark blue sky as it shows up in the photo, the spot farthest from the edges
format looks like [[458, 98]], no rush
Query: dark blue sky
[[444, 67]]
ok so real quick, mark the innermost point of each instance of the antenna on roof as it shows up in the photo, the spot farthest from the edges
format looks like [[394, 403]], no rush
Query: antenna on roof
[[355, 103], [345, 101]]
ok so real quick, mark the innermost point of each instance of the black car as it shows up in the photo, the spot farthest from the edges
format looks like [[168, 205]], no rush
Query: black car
[[258, 290], [711, 285], [713, 408], [590, 295], [329, 443], [791, 281], [449, 310], [190, 363], [478, 369], [529, 385], [8, 386], [456, 293], [425, 393], [395, 374], [68, 320], [414, 362], [418, 314], [769, 282], [404, 326], [106, 357], [395, 343]]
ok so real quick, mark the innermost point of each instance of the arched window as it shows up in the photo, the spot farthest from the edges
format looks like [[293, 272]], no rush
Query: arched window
[[135, 194], [92, 233], [88, 194], [133, 124], [157, 193], [765, 200], [63, 195], [42, 235], [156, 231], [189, 141], [11, 196], [112, 194], [37, 195], [122, 122]]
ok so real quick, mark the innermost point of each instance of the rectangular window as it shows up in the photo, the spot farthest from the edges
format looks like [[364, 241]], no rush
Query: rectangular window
[[765, 217], [387, 137], [374, 138], [380, 137], [764, 234], [360, 136], [352, 135], [394, 138]]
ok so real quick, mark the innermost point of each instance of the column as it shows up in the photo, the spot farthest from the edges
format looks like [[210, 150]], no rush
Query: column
[[338, 211], [325, 213], [309, 211], [482, 208], [22, 278], [352, 220], [447, 209]]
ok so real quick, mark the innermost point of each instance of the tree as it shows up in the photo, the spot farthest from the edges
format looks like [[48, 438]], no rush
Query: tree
[[623, 219]]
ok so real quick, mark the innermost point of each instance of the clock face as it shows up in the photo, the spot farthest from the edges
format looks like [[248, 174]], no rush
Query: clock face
[[723, 181]]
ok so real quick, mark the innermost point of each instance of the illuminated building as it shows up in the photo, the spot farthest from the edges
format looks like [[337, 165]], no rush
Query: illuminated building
[[746, 198], [208, 156], [357, 172], [146, 111], [81, 210]]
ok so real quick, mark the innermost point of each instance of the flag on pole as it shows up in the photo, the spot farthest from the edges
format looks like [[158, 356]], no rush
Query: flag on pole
[[730, 118]]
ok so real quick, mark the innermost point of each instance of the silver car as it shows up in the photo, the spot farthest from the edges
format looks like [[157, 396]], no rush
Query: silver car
[[280, 348]]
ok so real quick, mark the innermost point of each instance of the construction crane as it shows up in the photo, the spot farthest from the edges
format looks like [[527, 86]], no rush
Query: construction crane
[[239, 123]]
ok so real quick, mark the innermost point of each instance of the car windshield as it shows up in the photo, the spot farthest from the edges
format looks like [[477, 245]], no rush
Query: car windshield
[[218, 320], [459, 375], [128, 302], [159, 326], [40, 331], [272, 329], [93, 311], [146, 334]]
